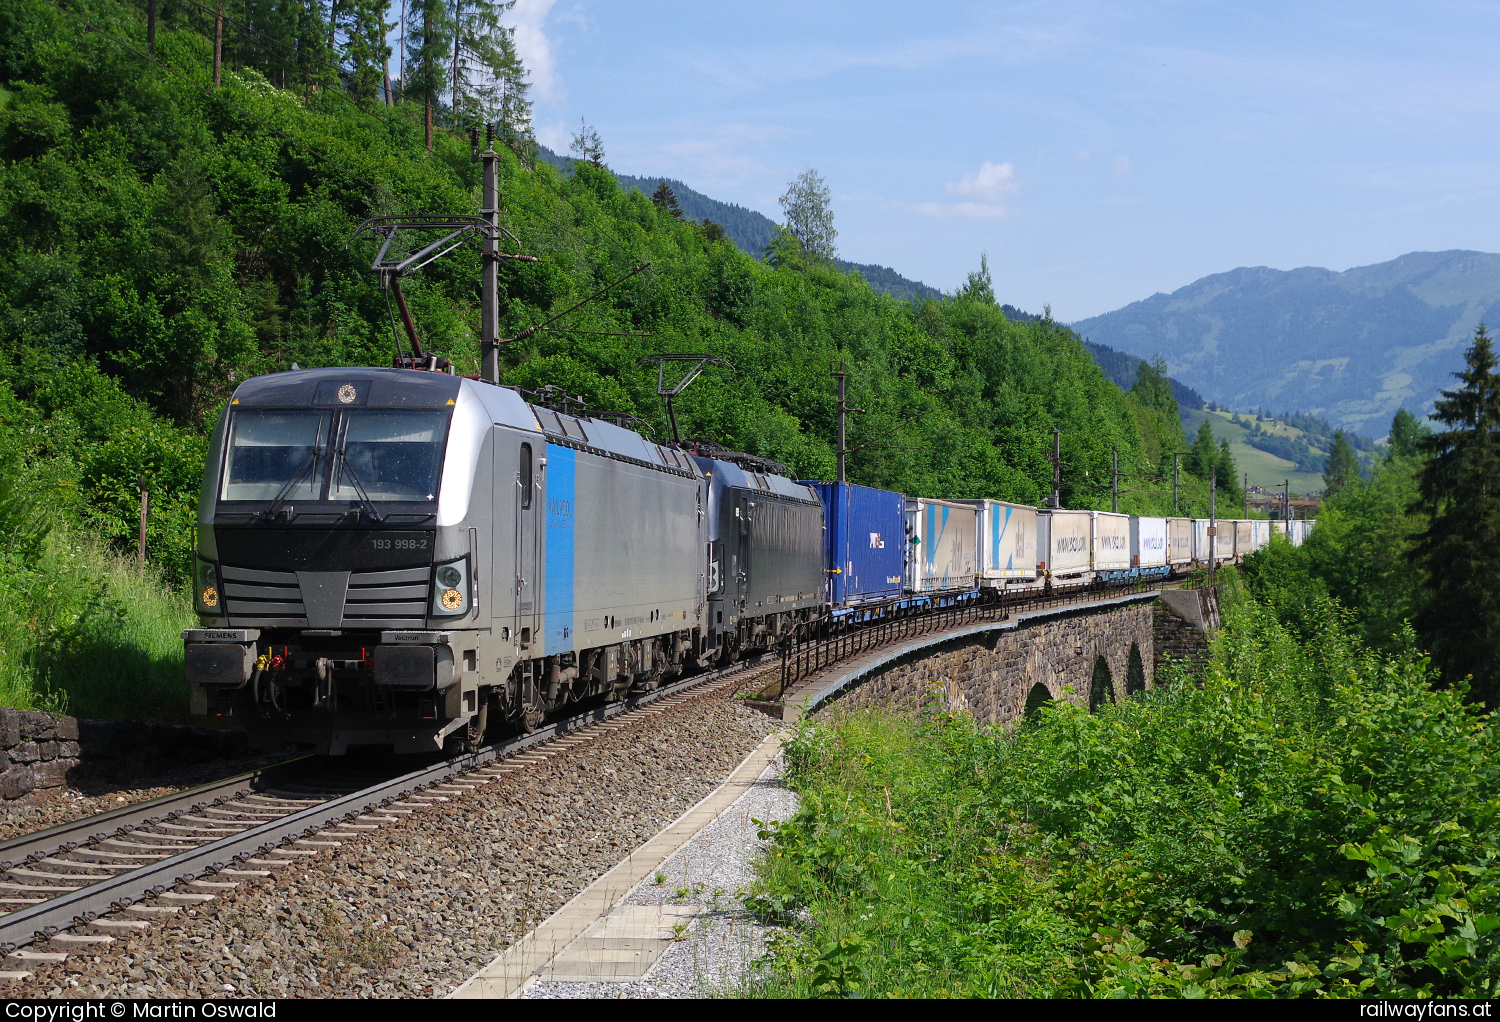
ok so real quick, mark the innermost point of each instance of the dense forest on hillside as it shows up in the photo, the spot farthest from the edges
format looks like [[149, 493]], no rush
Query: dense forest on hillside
[[168, 238]]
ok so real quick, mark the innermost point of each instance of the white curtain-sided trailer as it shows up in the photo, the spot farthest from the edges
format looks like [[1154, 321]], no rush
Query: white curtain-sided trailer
[[1244, 538], [1148, 545], [1222, 540], [1110, 541], [1007, 543], [942, 542], [1063, 543], [1179, 541], [1260, 534]]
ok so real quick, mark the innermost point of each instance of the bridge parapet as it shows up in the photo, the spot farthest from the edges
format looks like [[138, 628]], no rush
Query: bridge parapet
[[1087, 653]]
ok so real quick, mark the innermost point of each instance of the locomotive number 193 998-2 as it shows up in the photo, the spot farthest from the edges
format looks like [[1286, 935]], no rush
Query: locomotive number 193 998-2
[[395, 543]]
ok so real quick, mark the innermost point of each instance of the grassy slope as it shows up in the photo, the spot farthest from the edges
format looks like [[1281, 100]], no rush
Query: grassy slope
[[1265, 469]]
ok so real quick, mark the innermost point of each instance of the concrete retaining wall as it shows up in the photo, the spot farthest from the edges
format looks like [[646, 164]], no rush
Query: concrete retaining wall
[[42, 752]]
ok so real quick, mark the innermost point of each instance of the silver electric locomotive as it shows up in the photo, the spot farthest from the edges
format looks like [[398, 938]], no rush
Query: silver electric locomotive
[[390, 557]]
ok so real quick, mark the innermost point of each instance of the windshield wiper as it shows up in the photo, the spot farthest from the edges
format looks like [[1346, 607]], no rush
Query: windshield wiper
[[342, 464], [309, 469]]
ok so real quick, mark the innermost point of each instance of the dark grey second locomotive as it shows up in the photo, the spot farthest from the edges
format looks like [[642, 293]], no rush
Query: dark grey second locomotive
[[388, 557]]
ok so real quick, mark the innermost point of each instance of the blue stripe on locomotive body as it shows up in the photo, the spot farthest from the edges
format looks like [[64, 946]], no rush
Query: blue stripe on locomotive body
[[864, 546], [561, 535]]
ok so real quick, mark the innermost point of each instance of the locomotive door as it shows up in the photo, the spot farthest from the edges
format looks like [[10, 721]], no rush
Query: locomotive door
[[742, 510], [526, 588]]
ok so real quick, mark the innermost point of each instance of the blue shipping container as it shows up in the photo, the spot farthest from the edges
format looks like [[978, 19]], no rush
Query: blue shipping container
[[864, 543]]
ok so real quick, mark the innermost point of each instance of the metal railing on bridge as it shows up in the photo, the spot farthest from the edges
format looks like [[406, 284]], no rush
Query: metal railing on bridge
[[894, 621]]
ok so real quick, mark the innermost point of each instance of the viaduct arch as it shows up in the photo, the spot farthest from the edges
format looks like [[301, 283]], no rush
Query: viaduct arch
[[1089, 654]]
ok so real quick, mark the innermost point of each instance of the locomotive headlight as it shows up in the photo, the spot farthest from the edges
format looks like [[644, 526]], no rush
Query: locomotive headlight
[[451, 590], [208, 588]]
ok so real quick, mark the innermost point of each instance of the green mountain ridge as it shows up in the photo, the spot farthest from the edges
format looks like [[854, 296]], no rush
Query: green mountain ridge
[[751, 231], [1352, 347]]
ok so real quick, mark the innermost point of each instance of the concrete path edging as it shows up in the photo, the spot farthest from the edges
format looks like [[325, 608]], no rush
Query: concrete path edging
[[511, 970]]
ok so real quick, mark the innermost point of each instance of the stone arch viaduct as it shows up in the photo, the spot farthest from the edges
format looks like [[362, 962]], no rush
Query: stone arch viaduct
[[1089, 653]]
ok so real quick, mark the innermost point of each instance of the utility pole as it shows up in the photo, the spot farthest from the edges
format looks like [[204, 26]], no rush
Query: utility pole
[[1114, 499], [1213, 530], [843, 448], [489, 288], [219, 46], [151, 28], [1175, 456], [1286, 500], [1056, 466], [140, 549]]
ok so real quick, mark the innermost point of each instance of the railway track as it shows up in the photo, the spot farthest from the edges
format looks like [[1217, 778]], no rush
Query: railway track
[[148, 861]]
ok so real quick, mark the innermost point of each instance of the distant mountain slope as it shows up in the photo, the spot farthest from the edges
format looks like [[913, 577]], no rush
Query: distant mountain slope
[[751, 230], [1352, 346]]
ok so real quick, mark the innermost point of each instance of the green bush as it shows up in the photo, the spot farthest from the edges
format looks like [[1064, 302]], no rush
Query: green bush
[[1314, 819]]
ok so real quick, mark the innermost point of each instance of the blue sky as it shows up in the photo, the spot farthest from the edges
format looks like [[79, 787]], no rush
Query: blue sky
[[1098, 152]]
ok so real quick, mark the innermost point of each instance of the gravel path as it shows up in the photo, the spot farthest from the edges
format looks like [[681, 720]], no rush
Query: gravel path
[[712, 870], [92, 796], [415, 908]]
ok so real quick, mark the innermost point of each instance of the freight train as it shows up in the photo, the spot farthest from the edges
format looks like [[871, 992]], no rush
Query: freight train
[[398, 559]]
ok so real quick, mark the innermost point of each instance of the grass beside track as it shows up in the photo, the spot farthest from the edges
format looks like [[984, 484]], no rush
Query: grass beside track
[[1311, 819], [87, 632]]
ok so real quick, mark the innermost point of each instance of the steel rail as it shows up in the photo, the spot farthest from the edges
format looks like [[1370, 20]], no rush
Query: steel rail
[[66, 836], [85, 904]]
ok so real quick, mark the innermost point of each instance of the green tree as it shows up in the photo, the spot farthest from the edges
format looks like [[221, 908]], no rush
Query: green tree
[[1204, 454], [1407, 434], [1228, 476], [587, 144], [1152, 388], [366, 53], [429, 44], [979, 287], [1460, 491], [666, 199], [809, 216], [1342, 467], [487, 80]]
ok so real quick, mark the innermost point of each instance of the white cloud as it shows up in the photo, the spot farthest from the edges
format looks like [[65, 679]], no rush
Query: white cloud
[[986, 192], [724, 156], [557, 136], [1121, 166], [992, 183], [528, 18]]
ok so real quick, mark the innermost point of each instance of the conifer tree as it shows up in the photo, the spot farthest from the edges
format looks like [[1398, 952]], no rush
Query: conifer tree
[[1407, 435], [1203, 454], [487, 82], [365, 50], [1460, 492], [666, 199], [1228, 475], [1152, 387], [1342, 467], [429, 41]]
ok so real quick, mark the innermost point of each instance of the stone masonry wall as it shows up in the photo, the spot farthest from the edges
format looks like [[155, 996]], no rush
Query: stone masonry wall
[[42, 752], [991, 674]]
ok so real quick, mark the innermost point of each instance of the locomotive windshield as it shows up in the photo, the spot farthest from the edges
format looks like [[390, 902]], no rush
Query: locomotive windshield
[[367, 454]]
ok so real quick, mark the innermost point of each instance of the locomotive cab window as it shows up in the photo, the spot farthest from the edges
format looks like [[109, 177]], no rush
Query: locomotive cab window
[[276, 453], [524, 477], [294, 455], [395, 455]]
